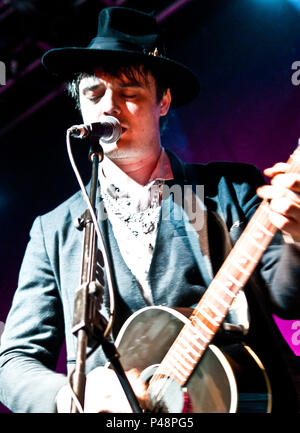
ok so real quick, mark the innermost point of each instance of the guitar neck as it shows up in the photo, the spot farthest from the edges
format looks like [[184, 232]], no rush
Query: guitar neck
[[214, 305]]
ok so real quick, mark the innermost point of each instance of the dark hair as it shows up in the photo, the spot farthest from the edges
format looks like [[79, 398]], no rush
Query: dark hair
[[132, 71]]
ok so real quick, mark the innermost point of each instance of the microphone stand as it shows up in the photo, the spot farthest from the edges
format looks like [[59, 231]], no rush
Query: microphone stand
[[88, 324]]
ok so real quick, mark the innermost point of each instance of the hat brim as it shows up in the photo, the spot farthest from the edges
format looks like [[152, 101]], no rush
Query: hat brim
[[65, 62]]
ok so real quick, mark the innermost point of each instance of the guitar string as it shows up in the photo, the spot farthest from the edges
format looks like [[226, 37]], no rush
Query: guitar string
[[166, 381]]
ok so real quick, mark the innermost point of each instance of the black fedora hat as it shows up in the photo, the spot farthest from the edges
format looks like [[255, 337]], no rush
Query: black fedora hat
[[129, 35]]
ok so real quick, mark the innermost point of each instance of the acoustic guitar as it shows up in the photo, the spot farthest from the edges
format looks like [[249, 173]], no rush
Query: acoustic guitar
[[173, 347]]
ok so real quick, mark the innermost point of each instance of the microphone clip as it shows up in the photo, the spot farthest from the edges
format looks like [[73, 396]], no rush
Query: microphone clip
[[95, 149]]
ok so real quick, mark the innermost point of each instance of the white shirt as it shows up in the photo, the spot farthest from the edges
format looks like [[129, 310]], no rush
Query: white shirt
[[129, 207]]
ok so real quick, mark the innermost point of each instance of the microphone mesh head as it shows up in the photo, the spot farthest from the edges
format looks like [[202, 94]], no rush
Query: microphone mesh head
[[116, 130]]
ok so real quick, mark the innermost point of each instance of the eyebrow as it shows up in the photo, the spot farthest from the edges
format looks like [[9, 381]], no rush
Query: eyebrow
[[121, 84], [89, 88], [131, 84]]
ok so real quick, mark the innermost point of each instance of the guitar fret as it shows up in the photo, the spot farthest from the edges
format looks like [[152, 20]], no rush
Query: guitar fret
[[213, 308], [173, 369], [226, 290], [209, 318], [262, 228], [183, 361], [240, 268], [178, 372], [199, 322], [194, 338], [189, 357], [195, 343], [187, 354], [253, 241], [190, 348], [198, 334], [219, 299], [234, 280], [245, 254]]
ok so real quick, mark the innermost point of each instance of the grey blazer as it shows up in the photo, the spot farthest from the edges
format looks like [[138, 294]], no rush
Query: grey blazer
[[42, 311]]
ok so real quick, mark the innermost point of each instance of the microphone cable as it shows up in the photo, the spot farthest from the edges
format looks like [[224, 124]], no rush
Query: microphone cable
[[99, 236]]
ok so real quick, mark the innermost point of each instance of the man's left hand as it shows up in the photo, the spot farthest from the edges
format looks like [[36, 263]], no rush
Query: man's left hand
[[284, 196]]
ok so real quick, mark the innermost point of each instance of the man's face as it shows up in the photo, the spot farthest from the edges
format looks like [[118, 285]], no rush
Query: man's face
[[133, 102]]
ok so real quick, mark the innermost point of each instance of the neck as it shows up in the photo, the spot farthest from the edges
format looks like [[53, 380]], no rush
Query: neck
[[139, 168]]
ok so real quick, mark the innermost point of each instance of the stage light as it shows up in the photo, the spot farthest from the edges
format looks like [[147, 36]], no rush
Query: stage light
[[295, 3]]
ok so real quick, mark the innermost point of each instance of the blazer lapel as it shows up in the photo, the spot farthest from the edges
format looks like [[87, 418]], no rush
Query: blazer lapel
[[195, 217], [79, 206]]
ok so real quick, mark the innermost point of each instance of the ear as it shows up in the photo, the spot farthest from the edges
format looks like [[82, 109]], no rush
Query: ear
[[165, 103]]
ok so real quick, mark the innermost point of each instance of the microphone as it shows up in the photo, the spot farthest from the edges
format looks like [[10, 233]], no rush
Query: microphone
[[108, 131]]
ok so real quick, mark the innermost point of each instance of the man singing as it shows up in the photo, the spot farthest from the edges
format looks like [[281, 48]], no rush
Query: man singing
[[157, 260]]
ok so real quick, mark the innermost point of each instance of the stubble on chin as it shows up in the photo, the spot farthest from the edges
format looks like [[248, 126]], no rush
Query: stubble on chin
[[115, 152]]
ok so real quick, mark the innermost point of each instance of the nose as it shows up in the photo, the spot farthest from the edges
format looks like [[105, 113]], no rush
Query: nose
[[109, 103]]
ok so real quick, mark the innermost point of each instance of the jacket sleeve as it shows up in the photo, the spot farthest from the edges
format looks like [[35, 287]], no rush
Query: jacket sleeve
[[280, 263], [33, 335], [285, 287]]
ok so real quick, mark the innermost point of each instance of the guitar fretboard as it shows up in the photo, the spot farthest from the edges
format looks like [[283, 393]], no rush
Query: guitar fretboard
[[214, 305]]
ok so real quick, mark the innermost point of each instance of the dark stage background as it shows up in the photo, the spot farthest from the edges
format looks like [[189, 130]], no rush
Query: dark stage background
[[248, 111]]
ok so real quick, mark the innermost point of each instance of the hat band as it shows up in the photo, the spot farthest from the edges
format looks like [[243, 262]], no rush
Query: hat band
[[114, 44]]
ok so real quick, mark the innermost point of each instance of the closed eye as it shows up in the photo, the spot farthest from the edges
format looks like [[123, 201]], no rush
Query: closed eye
[[129, 96], [94, 99]]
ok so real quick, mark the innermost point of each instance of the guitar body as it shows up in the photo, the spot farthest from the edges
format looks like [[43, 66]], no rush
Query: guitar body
[[227, 380]]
